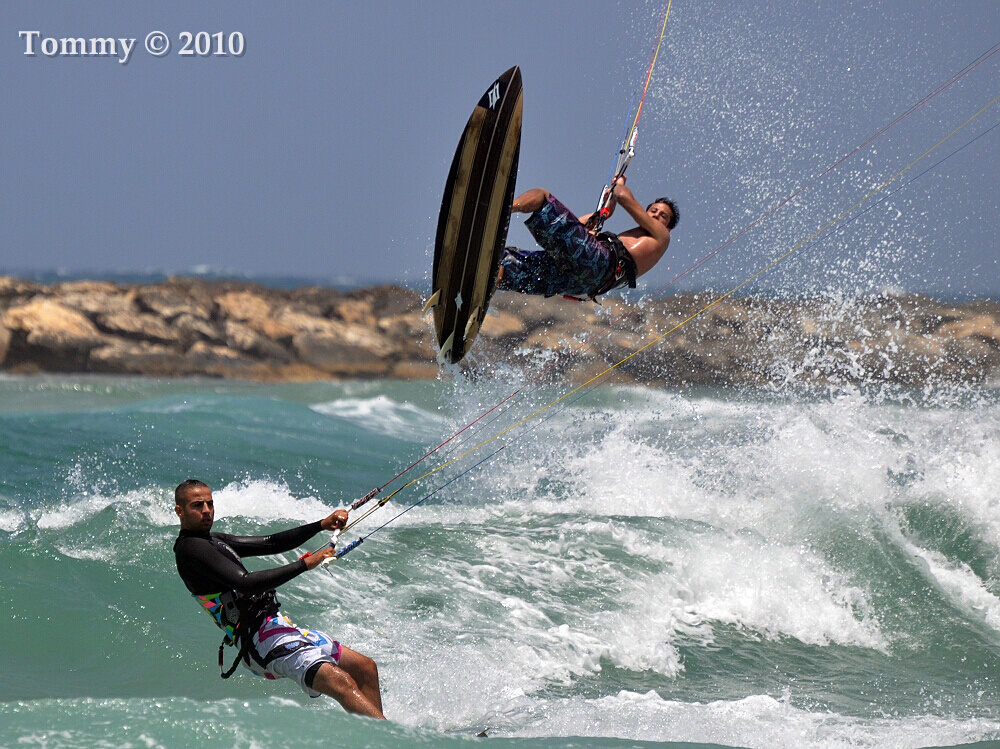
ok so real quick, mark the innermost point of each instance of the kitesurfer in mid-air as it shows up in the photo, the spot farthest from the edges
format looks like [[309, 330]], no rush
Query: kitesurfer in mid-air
[[577, 262], [243, 604]]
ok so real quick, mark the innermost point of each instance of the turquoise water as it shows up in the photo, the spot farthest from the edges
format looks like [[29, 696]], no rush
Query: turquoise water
[[633, 568]]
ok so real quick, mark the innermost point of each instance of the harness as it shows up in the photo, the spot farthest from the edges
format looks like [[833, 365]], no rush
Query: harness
[[625, 270], [239, 616]]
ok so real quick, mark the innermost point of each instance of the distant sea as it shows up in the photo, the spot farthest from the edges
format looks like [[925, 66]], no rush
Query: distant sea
[[48, 277], [630, 568], [344, 283]]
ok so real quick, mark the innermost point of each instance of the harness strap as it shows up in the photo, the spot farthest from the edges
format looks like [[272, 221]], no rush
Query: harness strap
[[625, 269], [252, 611], [236, 663], [624, 274], [239, 638], [273, 654], [247, 648]]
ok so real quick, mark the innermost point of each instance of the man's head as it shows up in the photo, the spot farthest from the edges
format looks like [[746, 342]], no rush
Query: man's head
[[664, 209], [194, 506]]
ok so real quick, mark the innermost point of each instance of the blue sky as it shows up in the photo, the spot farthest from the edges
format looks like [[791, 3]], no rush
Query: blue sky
[[322, 151]]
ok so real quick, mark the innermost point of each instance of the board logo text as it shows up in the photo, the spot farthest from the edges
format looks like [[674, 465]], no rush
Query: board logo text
[[494, 95]]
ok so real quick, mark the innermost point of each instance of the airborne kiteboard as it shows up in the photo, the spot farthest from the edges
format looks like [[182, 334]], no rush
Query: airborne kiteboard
[[475, 215]]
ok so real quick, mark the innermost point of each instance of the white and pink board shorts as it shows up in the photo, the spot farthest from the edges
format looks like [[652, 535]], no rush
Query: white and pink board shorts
[[308, 648]]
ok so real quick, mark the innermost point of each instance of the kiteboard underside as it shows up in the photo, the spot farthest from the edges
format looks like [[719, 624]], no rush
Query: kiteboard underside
[[475, 214]]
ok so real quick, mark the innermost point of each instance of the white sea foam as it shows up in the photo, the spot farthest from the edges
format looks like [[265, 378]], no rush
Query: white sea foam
[[956, 459], [152, 505], [262, 501], [759, 503], [383, 415], [960, 585], [778, 591], [266, 501], [754, 721], [73, 512], [10, 520], [95, 554]]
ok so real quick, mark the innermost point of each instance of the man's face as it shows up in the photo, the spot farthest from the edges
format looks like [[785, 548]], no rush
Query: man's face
[[196, 510], [661, 212]]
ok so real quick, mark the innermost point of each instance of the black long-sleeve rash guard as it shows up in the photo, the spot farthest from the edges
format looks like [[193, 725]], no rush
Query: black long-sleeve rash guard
[[210, 562]]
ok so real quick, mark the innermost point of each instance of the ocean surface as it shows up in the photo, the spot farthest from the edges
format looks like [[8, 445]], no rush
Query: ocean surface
[[625, 567]]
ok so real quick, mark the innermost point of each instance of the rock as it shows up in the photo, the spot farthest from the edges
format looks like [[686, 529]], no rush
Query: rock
[[411, 333], [299, 321], [190, 329], [243, 305], [203, 291], [983, 327], [501, 325], [53, 335], [220, 353], [294, 372], [273, 330], [216, 361], [316, 300], [407, 325], [258, 314], [169, 303], [537, 311], [239, 336], [4, 344], [96, 298], [410, 370], [138, 357], [138, 326], [344, 349], [389, 301], [14, 290], [244, 330], [355, 312], [244, 338], [555, 337]]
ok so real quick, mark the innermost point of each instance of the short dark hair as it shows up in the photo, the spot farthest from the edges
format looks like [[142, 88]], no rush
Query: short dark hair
[[182, 489], [675, 214]]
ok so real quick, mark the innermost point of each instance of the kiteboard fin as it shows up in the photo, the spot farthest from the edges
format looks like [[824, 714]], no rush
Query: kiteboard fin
[[472, 327], [432, 302], [446, 349]]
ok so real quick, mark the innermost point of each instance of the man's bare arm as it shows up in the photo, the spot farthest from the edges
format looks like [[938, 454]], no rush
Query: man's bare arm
[[624, 196]]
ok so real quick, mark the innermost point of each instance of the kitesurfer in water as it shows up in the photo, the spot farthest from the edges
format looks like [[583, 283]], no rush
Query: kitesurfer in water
[[577, 262], [243, 603]]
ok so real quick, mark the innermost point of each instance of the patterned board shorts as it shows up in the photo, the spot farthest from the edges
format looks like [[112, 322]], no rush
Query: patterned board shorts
[[571, 259], [312, 648]]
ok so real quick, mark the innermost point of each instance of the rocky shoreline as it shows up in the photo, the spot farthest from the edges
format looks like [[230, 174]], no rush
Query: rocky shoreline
[[237, 330]]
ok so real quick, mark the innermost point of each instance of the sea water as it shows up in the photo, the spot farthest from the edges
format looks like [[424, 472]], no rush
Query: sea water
[[627, 567]]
